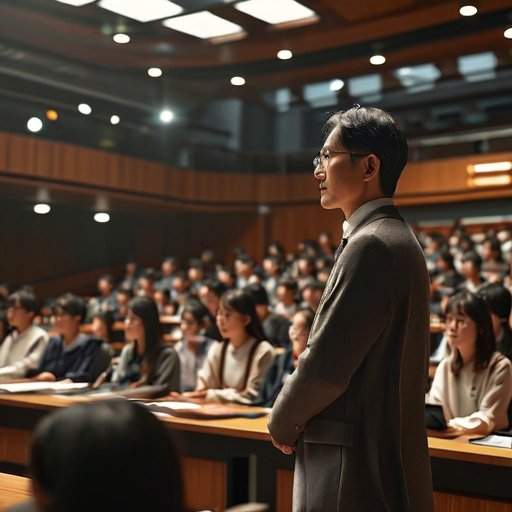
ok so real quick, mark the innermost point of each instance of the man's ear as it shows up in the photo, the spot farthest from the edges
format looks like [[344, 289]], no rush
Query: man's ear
[[372, 167]]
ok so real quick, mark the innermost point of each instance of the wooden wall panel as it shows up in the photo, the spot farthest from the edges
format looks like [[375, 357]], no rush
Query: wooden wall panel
[[423, 182]]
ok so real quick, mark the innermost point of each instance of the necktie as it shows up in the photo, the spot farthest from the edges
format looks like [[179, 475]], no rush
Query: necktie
[[340, 248]]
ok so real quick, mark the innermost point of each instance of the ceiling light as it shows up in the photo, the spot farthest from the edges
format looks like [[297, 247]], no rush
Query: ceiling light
[[490, 167], [34, 125], [143, 11], [42, 208], [508, 33], [154, 72], [377, 60], [52, 115], [237, 80], [468, 10], [76, 3], [115, 119], [84, 109], [274, 12], [203, 24], [121, 38], [336, 85], [101, 217], [284, 54], [166, 116]]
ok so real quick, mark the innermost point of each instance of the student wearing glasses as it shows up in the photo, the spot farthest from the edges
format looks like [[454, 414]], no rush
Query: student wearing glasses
[[474, 384], [22, 349]]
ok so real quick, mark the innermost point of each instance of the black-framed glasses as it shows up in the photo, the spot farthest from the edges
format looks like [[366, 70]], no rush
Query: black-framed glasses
[[322, 158]]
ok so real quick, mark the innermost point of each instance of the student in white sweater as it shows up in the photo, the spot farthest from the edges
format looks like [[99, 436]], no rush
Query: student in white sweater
[[22, 349], [234, 368], [474, 383]]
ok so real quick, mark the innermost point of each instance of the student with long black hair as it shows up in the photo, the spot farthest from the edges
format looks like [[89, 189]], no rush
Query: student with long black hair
[[474, 384], [234, 368], [145, 360], [105, 456]]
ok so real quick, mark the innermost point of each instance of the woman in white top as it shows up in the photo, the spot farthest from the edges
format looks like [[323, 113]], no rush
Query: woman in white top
[[234, 368], [474, 384]]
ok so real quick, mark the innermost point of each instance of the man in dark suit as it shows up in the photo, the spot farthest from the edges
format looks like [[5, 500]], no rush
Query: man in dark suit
[[354, 409]]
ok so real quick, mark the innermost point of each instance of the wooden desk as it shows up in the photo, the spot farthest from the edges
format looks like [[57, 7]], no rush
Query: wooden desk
[[13, 490], [467, 478]]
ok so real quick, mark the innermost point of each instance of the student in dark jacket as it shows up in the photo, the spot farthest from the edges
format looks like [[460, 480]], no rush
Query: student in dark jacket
[[145, 360], [284, 364], [70, 354]]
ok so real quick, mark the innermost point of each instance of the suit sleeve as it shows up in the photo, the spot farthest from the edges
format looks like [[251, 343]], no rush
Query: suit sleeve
[[351, 317]]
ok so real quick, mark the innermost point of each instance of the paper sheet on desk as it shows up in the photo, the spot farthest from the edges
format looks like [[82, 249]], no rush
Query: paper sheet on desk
[[176, 406], [493, 440], [204, 411], [49, 387]]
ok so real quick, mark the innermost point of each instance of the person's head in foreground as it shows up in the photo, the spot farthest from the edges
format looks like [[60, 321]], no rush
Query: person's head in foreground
[[469, 331], [362, 158], [104, 456]]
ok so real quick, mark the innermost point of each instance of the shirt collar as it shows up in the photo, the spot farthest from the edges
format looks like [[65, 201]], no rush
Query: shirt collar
[[362, 212]]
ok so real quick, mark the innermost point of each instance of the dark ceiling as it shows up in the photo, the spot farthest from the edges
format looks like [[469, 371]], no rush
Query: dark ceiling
[[54, 55]]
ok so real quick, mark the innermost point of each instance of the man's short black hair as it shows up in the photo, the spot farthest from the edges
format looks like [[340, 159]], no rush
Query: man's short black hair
[[288, 283], [314, 285], [498, 299], [258, 293], [472, 257], [71, 305], [216, 287], [24, 298], [371, 130]]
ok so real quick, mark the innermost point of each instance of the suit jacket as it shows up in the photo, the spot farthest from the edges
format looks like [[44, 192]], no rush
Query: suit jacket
[[354, 407]]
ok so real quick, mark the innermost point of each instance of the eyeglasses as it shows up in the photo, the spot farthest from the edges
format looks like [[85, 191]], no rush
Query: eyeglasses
[[322, 158]]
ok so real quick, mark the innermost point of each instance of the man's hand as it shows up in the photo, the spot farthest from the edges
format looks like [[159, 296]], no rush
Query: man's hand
[[45, 377], [287, 450]]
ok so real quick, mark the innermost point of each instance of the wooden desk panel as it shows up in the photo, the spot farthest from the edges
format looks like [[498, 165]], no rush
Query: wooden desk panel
[[209, 446], [13, 490]]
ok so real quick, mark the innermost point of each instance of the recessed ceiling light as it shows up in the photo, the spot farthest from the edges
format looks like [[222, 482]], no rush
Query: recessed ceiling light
[[274, 12], [508, 33], [42, 208], [203, 24], [84, 109], [121, 38], [166, 116], [468, 10], [377, 60], [142, 10], [336, 85], [237, 80], [76, 3], [34, 125], [115, 119], [154, 72], [284, 54], [101, 217]]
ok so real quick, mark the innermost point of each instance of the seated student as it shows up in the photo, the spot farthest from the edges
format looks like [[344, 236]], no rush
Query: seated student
[[145, 360], [101, 326], [311, 295], [284, 364], [499, 302], [234, 369], [210, 293], [71, 354], [22, 349], [471, 270], [123, 298], [106, 300], [193, 345], [286, 305], [275, 327], [474, 384], [105, 456]]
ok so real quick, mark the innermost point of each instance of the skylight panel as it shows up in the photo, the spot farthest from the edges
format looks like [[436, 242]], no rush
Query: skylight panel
[[76, 3], [204, 24], [478, 66], [142, 10], [276, 12]]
